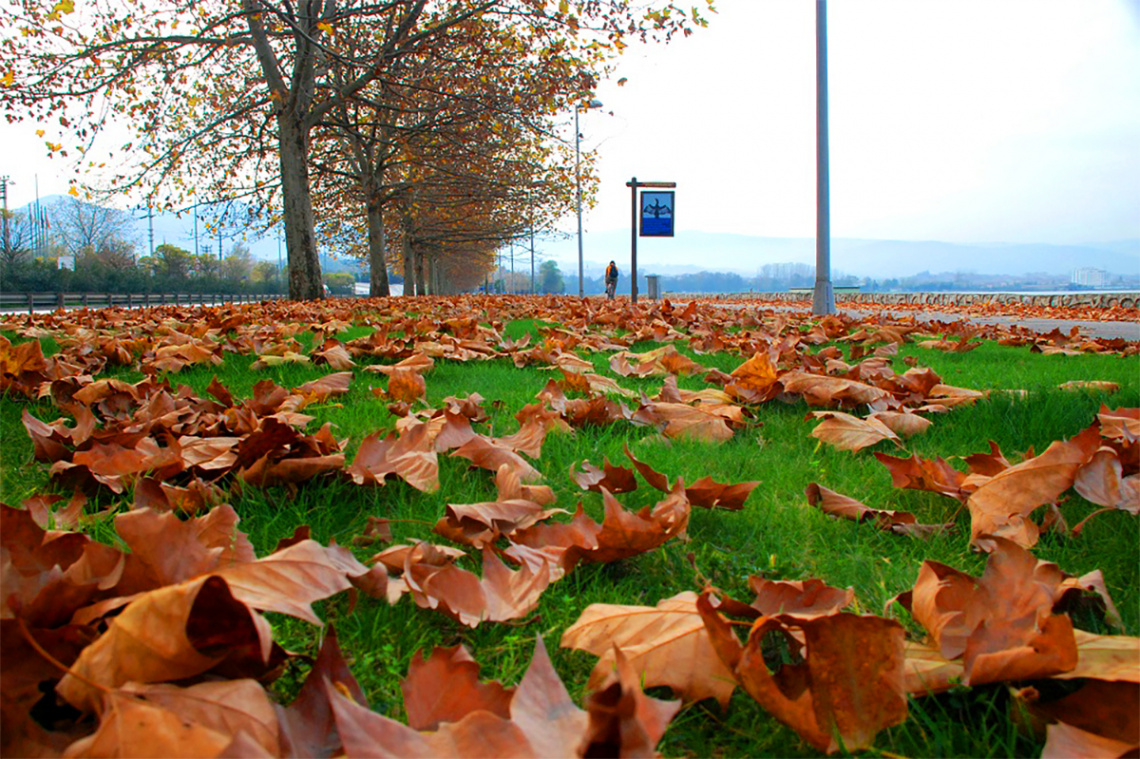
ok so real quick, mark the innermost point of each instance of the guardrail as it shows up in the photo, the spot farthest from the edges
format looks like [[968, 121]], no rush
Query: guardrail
[[31, 302]]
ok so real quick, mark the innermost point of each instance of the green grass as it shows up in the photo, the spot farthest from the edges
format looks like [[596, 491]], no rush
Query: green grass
[[777, 534]]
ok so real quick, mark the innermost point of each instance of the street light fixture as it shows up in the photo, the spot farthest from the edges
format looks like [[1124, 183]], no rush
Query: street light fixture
[[595, 103]]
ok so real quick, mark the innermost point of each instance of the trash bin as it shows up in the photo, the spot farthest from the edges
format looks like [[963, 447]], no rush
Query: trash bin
[[651, 281]]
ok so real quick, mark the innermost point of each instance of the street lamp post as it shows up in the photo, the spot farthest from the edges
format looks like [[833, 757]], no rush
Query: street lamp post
[[578, 184], [823, 296]]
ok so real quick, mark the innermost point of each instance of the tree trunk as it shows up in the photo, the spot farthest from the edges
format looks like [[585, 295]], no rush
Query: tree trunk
[[419, 258], [377, 253], [300, 239], [409, 262]]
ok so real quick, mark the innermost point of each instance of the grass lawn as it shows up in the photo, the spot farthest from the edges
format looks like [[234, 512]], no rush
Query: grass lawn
[[777, 535]]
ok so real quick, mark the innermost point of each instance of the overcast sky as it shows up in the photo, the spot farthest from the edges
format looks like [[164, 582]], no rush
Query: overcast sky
[[957, 120]]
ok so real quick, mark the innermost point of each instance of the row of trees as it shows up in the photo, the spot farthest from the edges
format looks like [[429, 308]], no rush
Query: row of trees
[[419, 134]]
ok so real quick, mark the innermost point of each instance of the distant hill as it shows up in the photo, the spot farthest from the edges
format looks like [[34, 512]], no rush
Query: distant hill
[[695, 251], [691, 252]]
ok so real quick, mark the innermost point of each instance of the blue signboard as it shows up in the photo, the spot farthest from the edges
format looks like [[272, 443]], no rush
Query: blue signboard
[[657, 212]]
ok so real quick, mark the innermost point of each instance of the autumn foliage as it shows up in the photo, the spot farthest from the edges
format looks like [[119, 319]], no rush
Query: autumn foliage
[[158, 642]]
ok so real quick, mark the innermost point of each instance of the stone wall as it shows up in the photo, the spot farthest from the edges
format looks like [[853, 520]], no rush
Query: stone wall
[[1067, 300]]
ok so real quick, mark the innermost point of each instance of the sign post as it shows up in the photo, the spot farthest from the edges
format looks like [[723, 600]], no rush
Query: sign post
[[656, 216]]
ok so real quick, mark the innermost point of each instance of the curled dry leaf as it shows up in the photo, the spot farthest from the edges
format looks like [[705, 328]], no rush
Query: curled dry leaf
[[904, 423], [543, 721], [621, 534], [666, 645], [850, 433], [756, 376], [1001, 506], [168, 634], [848, 686], [1063, 741], [1001, 624], [678, 420], [485, 453], [481, 524], [1106, 711], [410, 457], [821, 390], [1100, 481], [500, 595], [933, 475], [616, 479], [845, 507], [623, 721], [131, 726], [445, 687]]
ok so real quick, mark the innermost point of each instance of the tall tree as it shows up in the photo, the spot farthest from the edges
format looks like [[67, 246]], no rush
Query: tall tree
[[17, 239], [214, 90], [89, 228]]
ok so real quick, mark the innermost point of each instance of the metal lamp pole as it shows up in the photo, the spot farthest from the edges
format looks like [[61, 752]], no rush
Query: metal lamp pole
[[578, 185], [823, 298]]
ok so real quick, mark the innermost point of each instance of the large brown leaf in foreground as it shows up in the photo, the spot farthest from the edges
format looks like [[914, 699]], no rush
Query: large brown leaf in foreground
[[623, 720], [169, 634], [132, 727], [445, 687], [165, 720], [307, 725], [1001, 624], [666, 644], [543, 721], [1002, 505], [848, 687]]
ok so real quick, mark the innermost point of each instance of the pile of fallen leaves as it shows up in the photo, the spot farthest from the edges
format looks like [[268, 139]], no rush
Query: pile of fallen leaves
[[161, 647]]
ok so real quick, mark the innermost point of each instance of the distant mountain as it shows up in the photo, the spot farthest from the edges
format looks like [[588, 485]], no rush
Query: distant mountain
[[710, 251], [691, 252]]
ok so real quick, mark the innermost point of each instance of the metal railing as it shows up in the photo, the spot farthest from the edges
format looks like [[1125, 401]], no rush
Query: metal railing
[[33, 302]]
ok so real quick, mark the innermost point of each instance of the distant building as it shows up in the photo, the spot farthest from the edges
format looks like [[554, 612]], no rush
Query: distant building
[[1090, 277]]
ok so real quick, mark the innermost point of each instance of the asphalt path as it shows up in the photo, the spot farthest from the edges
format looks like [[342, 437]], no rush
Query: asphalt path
[[1107, 330]]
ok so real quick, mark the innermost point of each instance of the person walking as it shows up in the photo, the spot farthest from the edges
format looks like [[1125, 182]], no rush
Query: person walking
[[611, 280]]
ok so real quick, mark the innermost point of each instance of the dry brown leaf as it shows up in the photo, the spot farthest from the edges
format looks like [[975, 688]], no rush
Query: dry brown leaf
[[850, 433], [849, 686], [845, 507], [623, 721], [168, 634], [616, 479], [1002, 505], [1001, 624], [903, 423], [500, 595], [935, 476], [445, 687], [666, 645], [410, 457]]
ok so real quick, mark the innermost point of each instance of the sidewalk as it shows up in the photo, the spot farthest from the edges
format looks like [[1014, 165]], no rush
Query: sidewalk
[[1104, 330]]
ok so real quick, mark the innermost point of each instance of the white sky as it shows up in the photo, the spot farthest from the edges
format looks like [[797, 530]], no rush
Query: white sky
[[956, 120]]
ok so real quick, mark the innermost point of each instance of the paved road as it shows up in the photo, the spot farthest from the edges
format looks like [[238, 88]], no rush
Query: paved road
[[1107, 330]]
